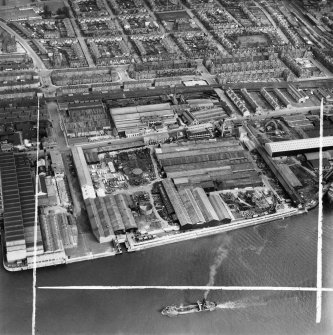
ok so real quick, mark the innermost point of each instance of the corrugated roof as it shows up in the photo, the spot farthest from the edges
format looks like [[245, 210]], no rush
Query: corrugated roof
[[13, 222]]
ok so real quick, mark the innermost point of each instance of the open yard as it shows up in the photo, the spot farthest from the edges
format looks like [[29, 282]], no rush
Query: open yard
[[252, 41]]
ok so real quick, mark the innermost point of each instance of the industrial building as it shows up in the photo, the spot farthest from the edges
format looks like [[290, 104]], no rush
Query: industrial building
[[238, 102], [269, 98], [202, 111], [47, 191], [68, 230], [86, 119], [57, 162], [192, 207], [282, 97], [51, 232], [122, 203], [211, 165], [63, 191], [292, 90], [99, 221], [110, 216], [199, 131], [115, 215], [205, 205], [19, 208], [176, 202], [282, 148], [313, 158], [298, 121], [289, 175], [204, 115], [248, 98], [221, 208], [84, 177], [132, 121]]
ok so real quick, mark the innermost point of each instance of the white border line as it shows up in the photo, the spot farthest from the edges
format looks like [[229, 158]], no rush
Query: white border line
[[320, 222], [199, 288], [34, 272]]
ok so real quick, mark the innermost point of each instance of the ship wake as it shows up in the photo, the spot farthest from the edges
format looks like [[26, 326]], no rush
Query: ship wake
[[243, 303]]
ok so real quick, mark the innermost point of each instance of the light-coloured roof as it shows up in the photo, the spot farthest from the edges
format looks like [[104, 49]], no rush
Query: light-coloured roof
[[294, 145]]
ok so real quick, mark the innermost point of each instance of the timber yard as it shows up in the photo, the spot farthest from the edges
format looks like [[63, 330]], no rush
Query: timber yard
[[139, 123]]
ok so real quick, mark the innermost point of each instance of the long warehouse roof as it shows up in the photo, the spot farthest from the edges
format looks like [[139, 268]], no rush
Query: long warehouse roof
[[298, 145], [140, 109]]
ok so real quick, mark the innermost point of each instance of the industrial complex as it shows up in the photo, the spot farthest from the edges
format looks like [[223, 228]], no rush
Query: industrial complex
[[126, 125]]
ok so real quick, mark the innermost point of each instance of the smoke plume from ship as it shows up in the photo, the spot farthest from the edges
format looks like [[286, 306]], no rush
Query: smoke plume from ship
[[221, 255]]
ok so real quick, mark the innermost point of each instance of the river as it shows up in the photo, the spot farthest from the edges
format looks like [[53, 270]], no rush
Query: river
[[281, 253]]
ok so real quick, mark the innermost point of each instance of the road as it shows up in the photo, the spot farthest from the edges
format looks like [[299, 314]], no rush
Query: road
[[321, 67], [39, 66], [124, 36], [79, 36], [306, 83], [55, 117], [273, 23], [299, 12], [36, 60], [223, 97], [206, 31]]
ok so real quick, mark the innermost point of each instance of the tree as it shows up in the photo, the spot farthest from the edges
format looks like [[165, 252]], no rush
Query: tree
[[47, 12], [64, 11]]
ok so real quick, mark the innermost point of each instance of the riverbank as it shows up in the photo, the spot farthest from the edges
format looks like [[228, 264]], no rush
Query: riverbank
[[132, 245], [183, 236]]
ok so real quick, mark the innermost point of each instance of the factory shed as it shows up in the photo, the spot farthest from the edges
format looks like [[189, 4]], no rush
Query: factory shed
[[289, 175], [192, 207], [91, 157], [220, 207], [129, 119], [57, 162], [126, 213], [200, 103], [204, 204], [166, 201], [13, 223], [114, 214], [176, 201], [19, 207], [42, 185], [313, 159], [95, 222], [84, 177], [104, 218]]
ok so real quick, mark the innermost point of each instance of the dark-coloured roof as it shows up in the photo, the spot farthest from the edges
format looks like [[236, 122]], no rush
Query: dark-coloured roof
[[114, 213], [13, 222]]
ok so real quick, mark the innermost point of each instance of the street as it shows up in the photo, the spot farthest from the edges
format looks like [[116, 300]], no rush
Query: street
[[55, 118]]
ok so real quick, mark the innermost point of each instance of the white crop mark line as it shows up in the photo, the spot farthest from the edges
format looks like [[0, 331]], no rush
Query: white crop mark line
[[34, 272], [199, 288], [320, 222]]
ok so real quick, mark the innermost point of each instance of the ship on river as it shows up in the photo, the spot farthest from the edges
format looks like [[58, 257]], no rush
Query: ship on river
[[199, 306]]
